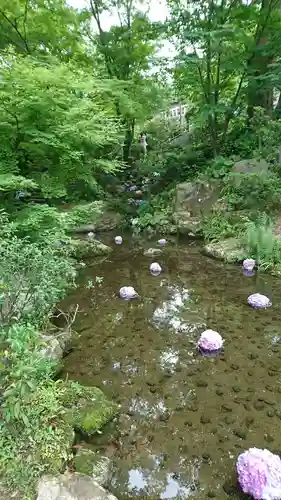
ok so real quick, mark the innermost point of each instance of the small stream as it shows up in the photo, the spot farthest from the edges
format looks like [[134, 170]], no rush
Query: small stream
[[184, 418]]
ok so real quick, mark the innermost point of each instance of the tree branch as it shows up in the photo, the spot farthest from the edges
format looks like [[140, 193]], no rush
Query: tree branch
[[14, 26]]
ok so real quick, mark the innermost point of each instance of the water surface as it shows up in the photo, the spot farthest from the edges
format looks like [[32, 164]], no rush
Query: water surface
[[185, 418]]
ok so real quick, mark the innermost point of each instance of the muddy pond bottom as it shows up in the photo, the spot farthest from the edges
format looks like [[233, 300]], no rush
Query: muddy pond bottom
[[184, 417]]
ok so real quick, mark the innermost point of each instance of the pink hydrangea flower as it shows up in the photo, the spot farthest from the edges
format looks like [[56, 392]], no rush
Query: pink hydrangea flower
[[210, 341], [259, 474]]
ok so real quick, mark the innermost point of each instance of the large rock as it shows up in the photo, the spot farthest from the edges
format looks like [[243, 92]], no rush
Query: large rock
[[251, 166], [107, 222], [71, 487], [56, 345], [230, 250], [93, 464], [83, 249], [193, 202], [88, 408]]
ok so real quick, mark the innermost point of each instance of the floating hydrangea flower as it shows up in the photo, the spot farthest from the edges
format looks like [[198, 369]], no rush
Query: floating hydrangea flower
[[259, 301], [155, 269], [91, 235], [162, 241], [210, 342], [259, 474], [128, 292], [249, 264], [118, 240]]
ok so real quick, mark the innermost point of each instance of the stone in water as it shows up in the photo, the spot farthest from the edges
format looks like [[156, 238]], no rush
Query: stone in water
[[155, 269], [249, 264], [210, 342], [128, 292], [162, 241], [259, 474], [259, 301], [118, 240]]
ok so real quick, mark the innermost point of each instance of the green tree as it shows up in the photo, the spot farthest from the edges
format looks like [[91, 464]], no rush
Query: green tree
[[127, 51], [57, 124], [226, 53]]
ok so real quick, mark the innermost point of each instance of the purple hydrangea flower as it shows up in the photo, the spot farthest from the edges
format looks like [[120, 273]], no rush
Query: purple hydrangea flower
[[259, 474], [133, 188], [162, 241], [118, 240], [155, 269], [210, 342], [259, 301], [128, 292], [249, 264]]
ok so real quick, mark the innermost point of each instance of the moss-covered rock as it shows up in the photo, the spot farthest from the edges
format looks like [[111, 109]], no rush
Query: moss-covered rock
[[93, 464], [88, 409], [83, 249], [84, 461], [230, 250]]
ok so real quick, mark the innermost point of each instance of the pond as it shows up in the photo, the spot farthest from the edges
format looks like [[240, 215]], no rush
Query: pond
[[184, 418]]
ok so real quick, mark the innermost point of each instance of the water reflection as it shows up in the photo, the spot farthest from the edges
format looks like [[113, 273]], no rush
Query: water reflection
[[146, 408], [168, 312], [152, 481]]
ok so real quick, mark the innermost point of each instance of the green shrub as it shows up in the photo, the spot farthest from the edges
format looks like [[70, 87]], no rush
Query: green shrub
[[32, 279], [262, 244], [251, 191], [155, 215]]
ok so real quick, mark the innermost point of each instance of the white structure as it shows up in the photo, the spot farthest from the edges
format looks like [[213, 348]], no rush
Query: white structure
[[177, 112]]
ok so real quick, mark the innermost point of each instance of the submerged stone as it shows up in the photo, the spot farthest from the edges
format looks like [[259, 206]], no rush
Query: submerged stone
[[151, 252]]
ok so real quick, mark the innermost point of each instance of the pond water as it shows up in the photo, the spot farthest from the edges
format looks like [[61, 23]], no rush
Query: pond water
[[185, 418]]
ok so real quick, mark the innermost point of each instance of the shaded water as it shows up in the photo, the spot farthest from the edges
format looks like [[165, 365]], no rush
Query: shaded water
[[185, 418]]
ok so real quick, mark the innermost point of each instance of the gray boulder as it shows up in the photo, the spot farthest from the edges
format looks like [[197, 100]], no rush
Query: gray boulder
[[52, 349], [93, 464], [194, 201], [229, 250], [251, 166], [106, 222], [71, 487]]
